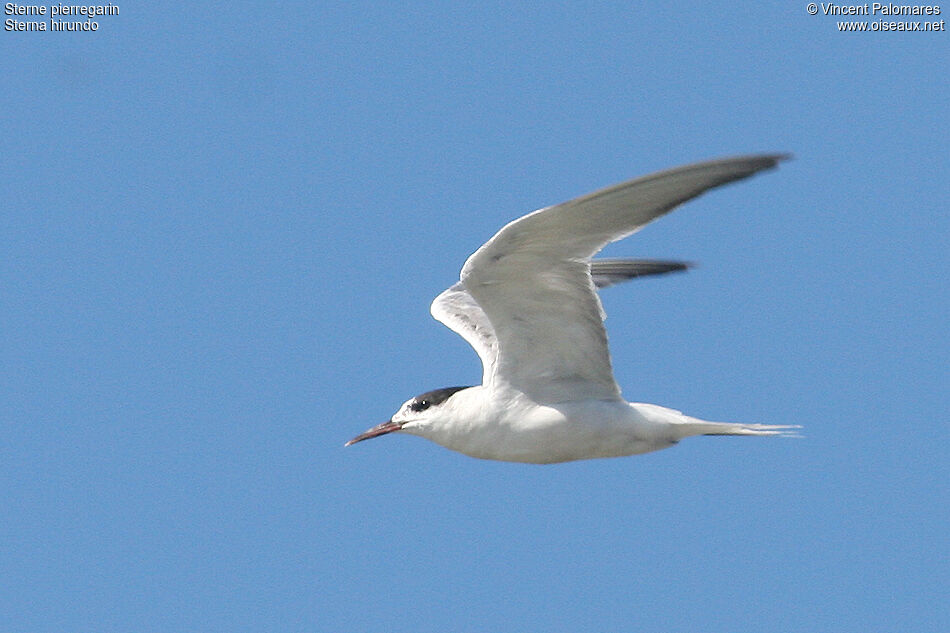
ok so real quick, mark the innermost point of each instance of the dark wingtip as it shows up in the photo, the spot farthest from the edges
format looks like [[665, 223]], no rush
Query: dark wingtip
[[607, 272], [773, 160]]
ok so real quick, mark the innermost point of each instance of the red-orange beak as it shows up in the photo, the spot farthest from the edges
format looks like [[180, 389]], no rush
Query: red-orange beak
[[380, 429]]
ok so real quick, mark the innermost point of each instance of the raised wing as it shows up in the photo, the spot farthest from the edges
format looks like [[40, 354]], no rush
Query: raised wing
[[532, 281], [458, 311], [607, 272]]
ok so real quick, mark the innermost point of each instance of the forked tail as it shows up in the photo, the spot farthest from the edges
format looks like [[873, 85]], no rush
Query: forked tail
[[693, 426]]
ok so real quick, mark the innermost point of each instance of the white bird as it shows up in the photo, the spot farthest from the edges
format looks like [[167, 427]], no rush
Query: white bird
[[527, 302]]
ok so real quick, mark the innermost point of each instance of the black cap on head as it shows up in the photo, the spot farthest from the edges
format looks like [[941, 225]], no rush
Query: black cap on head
[[435, 397]]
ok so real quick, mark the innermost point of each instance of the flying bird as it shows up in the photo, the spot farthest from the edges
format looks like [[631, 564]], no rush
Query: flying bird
[[527, 302]]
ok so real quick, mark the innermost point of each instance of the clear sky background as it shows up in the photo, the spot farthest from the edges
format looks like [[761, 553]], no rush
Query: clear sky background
[[221, 228]]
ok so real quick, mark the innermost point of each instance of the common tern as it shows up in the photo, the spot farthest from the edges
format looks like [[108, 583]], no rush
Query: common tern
[[527, 302]]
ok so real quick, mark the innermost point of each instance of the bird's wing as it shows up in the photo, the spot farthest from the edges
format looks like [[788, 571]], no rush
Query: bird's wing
[[457, 310], [608, 272], [532, 282]]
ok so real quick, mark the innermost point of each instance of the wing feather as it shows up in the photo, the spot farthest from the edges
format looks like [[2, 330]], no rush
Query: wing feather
[[532, 281], [608, 272], [457, 310]]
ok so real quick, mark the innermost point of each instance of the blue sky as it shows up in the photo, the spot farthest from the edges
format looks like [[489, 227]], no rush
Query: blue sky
[[222, 229]]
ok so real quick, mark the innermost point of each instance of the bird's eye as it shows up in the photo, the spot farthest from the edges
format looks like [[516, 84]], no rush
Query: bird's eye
[[419, 405]]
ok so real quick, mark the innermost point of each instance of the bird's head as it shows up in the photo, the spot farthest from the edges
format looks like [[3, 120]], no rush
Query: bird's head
[[415, 416]]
